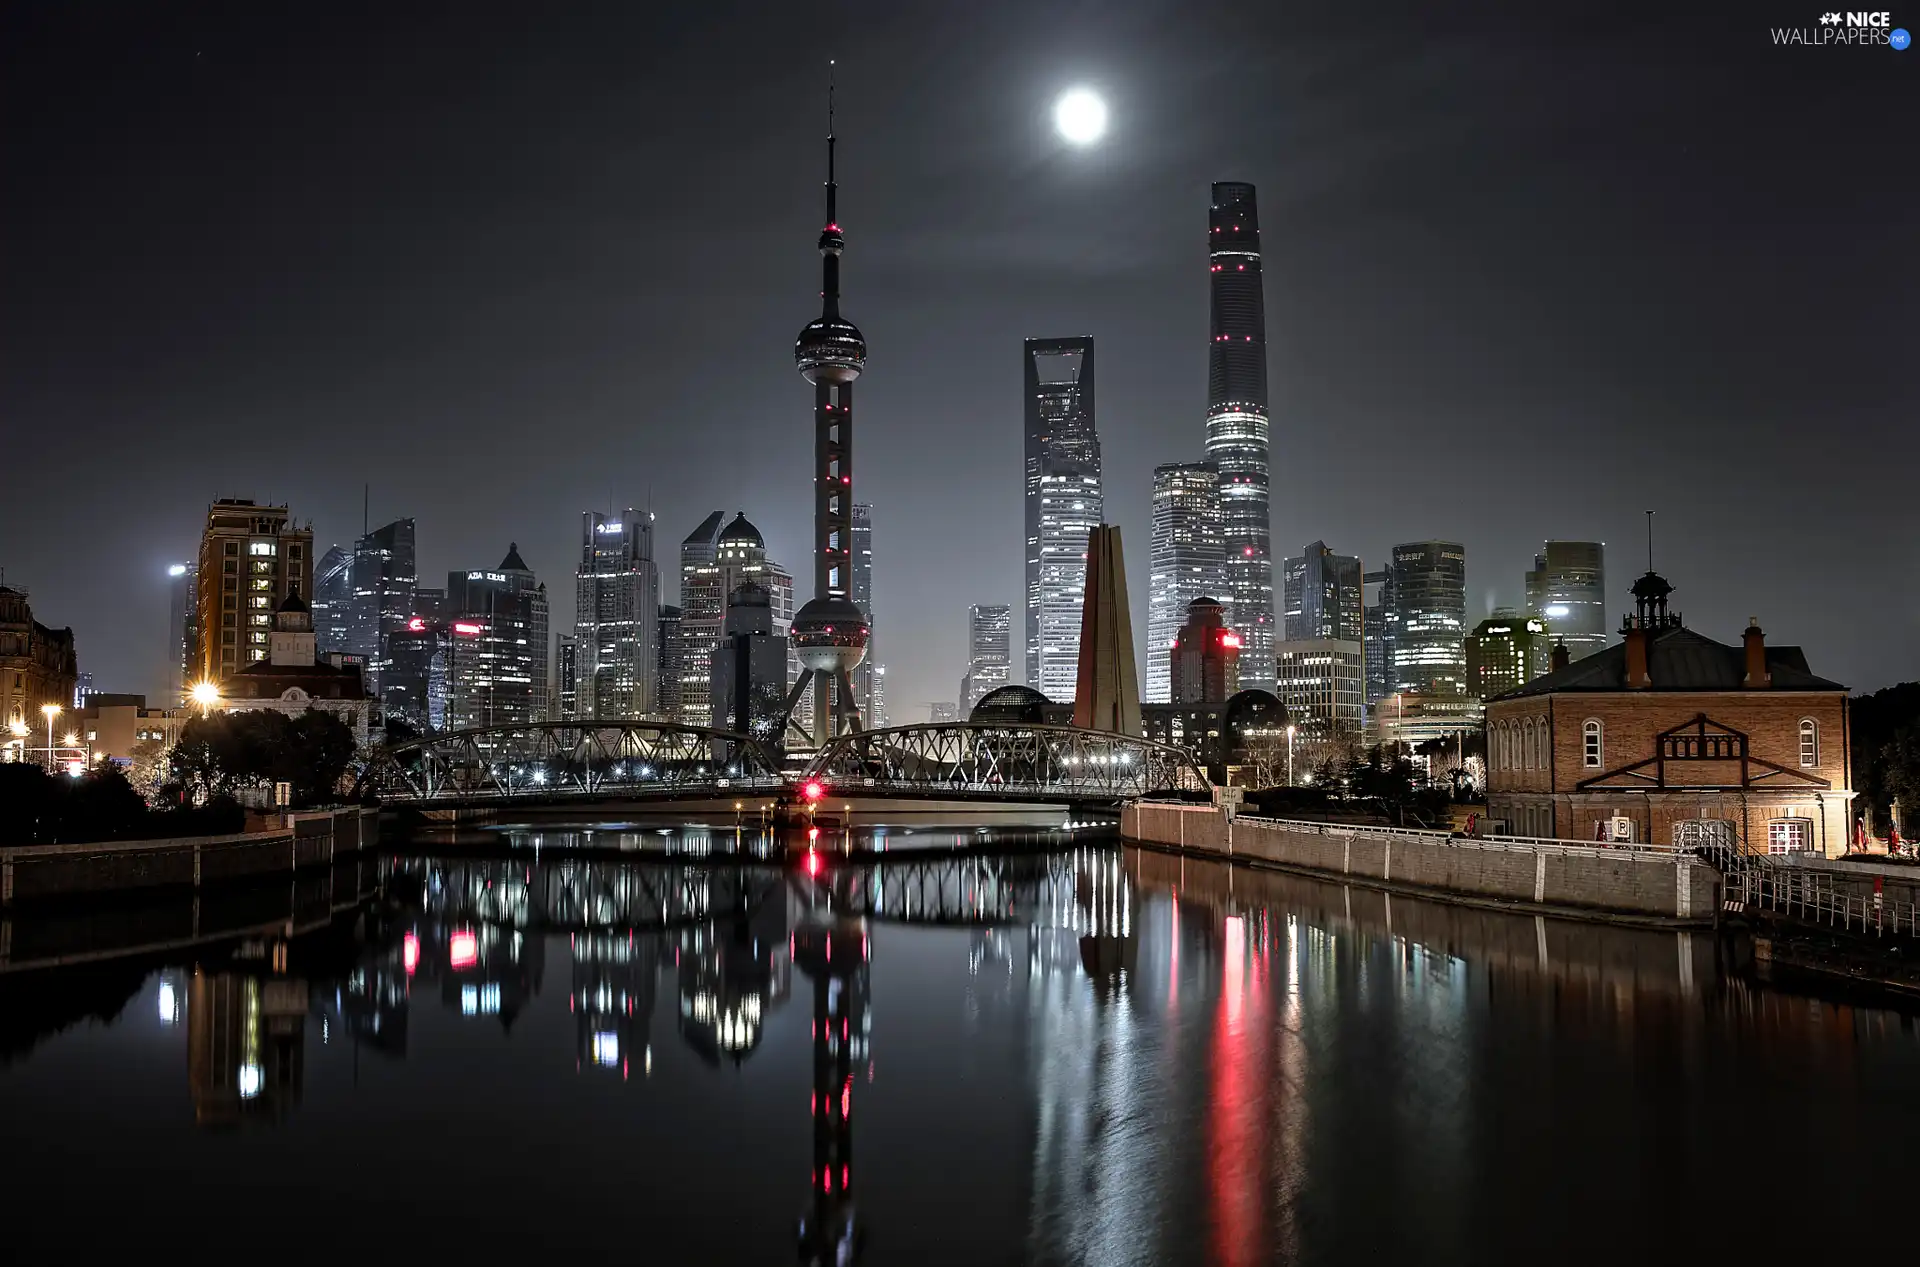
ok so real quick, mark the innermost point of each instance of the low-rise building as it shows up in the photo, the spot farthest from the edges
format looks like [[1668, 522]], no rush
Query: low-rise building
[[112, 726], [37, 664], [1670, 737], [292, 679]]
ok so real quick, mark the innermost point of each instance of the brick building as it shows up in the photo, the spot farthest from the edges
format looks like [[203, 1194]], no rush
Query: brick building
[[1668, 736]]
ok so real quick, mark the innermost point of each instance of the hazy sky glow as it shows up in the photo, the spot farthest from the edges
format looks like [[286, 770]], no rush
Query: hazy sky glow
[[1524, 279]]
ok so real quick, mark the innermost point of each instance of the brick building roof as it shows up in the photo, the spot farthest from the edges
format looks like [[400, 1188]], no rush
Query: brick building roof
[[1678, 659]]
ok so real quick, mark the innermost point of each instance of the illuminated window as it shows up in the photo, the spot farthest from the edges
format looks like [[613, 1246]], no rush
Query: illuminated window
[[1809, 742], [264, 548], [1593, 748], [1789, 835]]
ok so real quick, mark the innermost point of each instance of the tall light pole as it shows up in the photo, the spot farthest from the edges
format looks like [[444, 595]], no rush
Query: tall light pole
[[52, 711]]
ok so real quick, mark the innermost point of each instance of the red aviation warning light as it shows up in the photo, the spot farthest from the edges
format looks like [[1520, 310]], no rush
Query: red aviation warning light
[[813, 790]]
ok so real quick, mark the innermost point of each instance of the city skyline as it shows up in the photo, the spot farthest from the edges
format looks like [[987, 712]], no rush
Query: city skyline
[[1505, 343]]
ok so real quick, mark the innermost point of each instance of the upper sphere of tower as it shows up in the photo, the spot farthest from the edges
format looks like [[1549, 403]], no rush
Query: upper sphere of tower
[[830, 350]]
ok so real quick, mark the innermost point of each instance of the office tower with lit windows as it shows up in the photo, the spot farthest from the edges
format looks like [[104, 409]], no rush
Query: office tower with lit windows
[[617, 617], [1567, 589], [862, 595], [1188, 560], [499, 646], [1063, 504], [668, 630], [182, 587], [565, 703], [1237, 437], [1322, 596], [989, 652], [714, 562], [414, 690], [384, 577], [251, 558], [1425, 596], [1505, 652], [1322, 682], [943, 712], [332, 602]]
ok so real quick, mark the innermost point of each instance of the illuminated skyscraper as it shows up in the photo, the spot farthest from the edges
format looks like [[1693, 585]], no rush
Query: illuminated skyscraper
[[251, 558], [1505, 652], [1188, 560], [333, 601], [862, 595], [1426, 620], [384, 577], [1206, 658], [989, 652], [181, 591], [616, 617], [1237, 441], [1064, 503], [1321, 591], [1567, 588], [498, 671], [714, 563]]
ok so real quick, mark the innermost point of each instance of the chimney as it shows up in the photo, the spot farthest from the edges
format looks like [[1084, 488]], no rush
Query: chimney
[[1757, 677], [1561, 656], [1638, 639]]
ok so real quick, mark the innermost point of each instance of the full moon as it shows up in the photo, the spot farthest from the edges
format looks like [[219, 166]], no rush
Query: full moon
[[1080, 116]]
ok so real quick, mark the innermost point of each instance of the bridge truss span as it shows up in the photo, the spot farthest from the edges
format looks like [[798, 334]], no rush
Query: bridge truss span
[[968, 761], [571, 760]]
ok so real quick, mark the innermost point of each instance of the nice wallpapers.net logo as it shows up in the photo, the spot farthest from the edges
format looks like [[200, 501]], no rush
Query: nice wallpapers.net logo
[[1847, 30]]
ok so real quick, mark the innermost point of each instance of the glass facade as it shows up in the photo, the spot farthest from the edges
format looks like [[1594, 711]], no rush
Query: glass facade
[[1321, 594], [1567, 589], [1322, 683], [1237, 435], [989, 652], [384, 578], [1506, 651], [499, 645], [1063, 503], [333, 601], [1426, 618], [1187, 560], [616, 618]]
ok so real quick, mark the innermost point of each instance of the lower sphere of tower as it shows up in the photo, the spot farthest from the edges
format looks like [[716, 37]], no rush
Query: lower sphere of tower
[[829, 635]]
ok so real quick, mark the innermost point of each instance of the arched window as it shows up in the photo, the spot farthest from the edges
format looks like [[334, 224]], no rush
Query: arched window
[[1526, 743], [1809, 742], [1593, 746], [1540, 745]]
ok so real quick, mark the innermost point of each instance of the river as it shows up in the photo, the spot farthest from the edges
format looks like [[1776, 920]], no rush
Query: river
[[1045, 1050]]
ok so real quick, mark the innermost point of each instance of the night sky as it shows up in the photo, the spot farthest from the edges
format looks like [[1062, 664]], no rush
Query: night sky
[[1526, 277]]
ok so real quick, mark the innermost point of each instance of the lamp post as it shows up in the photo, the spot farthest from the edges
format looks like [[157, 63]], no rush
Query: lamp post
[[51, 711], [1290, 730], [206, 695]]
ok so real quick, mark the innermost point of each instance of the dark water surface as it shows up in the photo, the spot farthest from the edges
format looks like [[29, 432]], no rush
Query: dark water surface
[[1087, 1056]]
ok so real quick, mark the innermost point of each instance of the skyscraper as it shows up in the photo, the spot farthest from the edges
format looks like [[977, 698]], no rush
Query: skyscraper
[[714, 563], [1426, 619], [670, 661], [565, 704], [1506, 651], [181, 591], [1237, 441], [1567, 589], [862, 596], [332, 601], [251, 558], [750, 667], [989, 652], [1322, 594], [498, 673], [829, 634], [1322, 683], [616, 617], [384, 577], [1205, 667], [1188, 560], [1064, 504]]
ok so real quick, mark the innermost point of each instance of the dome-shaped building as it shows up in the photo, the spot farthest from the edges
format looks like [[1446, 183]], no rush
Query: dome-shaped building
[[1011, 706]]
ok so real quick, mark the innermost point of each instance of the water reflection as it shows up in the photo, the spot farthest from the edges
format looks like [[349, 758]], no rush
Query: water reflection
[[1104, 1056]]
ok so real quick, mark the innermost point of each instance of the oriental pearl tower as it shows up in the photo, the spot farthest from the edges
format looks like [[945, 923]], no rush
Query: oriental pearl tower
[[830, 632]]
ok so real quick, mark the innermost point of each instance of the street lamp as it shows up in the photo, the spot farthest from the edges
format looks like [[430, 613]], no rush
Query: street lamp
[[52, 711], [206, 695], [1290, 730]]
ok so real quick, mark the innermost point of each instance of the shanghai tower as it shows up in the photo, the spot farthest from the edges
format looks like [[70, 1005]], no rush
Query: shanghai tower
[[1237, 421]]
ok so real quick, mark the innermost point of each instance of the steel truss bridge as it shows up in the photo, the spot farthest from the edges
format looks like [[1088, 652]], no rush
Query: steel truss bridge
[[566, 762]]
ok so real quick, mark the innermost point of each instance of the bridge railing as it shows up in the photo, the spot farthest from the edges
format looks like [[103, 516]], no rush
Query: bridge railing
[[990, 759]]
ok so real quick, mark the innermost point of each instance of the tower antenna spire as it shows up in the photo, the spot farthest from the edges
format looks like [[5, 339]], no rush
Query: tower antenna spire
[[1649, 541], [832, 188]]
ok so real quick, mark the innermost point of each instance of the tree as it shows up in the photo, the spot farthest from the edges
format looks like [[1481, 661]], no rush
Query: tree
[[1884, 729], [219, 755]]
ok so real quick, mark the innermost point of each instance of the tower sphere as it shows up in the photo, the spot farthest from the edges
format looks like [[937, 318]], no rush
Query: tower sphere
[[830, 350], [829, 635]]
